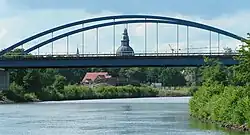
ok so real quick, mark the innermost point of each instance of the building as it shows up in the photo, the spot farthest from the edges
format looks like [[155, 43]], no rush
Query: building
[[97, 78], [156, 85], [125, 49]]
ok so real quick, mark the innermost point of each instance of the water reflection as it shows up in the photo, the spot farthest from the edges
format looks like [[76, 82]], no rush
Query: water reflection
[[195, 124], [127, 108]]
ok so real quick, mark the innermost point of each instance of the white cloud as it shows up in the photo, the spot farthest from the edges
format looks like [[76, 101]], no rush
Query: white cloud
[[14, 29]]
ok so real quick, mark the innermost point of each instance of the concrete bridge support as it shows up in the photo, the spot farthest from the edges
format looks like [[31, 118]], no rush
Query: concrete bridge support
[[4, 79]]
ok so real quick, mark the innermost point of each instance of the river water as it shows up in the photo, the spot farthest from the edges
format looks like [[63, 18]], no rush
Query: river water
[[149, 116]]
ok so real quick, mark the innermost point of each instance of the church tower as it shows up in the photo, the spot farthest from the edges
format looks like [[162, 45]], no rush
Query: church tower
[[125, 49]]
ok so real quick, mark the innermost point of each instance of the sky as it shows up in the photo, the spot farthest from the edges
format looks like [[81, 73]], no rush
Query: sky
[[20, 19]]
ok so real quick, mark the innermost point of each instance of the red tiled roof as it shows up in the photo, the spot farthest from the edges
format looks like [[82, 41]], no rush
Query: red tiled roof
[[94, 75]]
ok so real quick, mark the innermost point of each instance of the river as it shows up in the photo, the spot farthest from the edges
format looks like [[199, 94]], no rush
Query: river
[[146, 116]]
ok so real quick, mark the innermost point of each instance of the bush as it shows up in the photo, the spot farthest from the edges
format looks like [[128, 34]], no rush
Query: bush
[[224, 104], [75, 92], [173, 93], [2, 97], [192, 90], [47, 93], [79, 92], [15, 93], [30, 97]]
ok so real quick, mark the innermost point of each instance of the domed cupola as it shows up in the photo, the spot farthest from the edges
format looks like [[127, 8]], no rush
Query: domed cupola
[[125, 49]]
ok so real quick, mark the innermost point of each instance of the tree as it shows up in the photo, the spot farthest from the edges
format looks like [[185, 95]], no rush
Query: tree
[[16, 75], [228, 51], [16, 52], [48, 77], [73, 76], [192, 76], [32, 81], [242, 71], [172, 77], [153, 75], [114, 72], [59, 83], [136, 74], [214, 72]]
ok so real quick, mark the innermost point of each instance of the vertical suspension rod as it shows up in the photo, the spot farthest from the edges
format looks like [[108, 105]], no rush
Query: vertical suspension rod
[[52, 44], [97, 40], [210, 42], [145, 38], [67, 45], [114, 38], [218, 42], [187, 39], [157, 38], [83, 40], [177, 38]]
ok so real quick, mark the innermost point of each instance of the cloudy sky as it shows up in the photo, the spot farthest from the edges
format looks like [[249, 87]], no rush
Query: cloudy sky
[[20, 19]]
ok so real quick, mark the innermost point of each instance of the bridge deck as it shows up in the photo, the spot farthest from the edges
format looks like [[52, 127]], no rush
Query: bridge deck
[[109, 61]]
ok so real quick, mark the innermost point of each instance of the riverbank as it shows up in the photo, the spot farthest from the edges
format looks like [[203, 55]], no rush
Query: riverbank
[[78, 92], [225, 106], [4, 100], [231, 127]]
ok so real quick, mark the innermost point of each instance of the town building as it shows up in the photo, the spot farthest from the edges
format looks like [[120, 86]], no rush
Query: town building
[[98, 78]]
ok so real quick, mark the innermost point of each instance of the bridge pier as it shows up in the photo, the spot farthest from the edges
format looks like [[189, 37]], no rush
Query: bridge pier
[[4, 79]]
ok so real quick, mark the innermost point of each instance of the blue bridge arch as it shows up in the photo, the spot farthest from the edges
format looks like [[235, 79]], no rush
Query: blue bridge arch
[[139, 19]]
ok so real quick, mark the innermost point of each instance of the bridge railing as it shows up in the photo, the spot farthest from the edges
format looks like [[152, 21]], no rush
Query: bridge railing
[[20, 57]]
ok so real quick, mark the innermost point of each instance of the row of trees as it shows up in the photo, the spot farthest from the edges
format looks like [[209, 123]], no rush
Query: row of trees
[[45, 77], [224, 94], [56, 84]]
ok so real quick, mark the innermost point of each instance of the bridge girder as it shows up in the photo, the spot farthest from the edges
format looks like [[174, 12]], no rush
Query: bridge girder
[[140, 61]]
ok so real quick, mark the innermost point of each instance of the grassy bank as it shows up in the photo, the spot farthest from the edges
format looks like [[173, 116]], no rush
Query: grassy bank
[[227, 106], [77, 92]]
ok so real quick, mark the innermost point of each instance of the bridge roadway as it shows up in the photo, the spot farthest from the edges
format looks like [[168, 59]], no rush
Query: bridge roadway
[[111, 60]]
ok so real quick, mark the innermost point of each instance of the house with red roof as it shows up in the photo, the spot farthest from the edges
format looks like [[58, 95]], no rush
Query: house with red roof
[[96, 77]]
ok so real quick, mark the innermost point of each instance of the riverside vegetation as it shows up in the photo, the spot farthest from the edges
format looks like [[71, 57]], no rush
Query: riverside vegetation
[[224, 97], [60, 90], [77, 92], [28, 85]]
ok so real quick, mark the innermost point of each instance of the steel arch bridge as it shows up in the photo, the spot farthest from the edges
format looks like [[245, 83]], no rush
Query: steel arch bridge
[[114, 20]]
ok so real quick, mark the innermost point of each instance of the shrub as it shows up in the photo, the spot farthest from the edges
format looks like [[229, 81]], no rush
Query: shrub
[[2, 97], [225, 104], [15, 93], [75, 92], [192, 90], [30, 97]]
